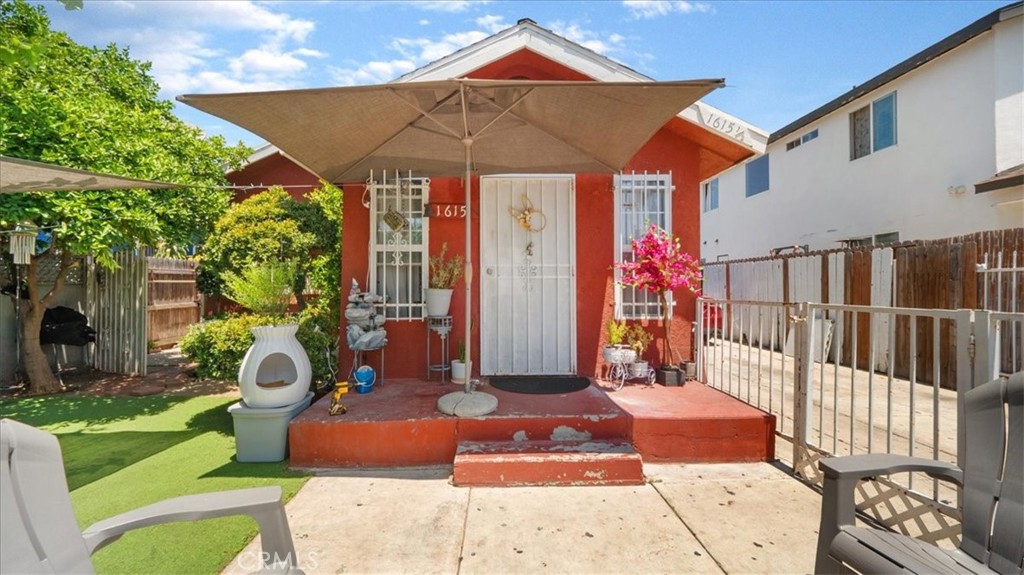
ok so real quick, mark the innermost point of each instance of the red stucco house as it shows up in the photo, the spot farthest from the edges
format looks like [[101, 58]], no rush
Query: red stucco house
[[541, 299]]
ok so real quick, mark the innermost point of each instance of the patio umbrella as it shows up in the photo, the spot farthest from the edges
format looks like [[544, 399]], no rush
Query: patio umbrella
[[17, 175], [455, 127]]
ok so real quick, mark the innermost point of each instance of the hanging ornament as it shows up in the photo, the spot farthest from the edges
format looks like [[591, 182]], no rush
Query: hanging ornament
[[530, 218], [23, 243]]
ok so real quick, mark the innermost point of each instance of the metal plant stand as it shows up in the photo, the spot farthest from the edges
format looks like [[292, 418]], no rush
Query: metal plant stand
[[442, 326], [621, 371]]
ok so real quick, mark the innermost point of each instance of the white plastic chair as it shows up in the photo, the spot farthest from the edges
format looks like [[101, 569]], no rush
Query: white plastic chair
[[39, 533]]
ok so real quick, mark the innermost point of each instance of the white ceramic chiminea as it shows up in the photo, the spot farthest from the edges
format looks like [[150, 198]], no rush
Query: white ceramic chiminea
[[276, 370], [274, 381]]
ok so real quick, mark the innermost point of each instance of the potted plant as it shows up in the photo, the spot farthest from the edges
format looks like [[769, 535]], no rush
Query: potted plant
[[616, 351], [459, 365], [444, 274], [638, 339], [661, 266]]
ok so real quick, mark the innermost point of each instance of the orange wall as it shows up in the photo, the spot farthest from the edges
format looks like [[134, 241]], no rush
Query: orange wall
[[406, 351], [275, 170], [668, 150]]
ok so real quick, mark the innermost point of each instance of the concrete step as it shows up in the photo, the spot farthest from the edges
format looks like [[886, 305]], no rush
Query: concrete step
[[522, 463]]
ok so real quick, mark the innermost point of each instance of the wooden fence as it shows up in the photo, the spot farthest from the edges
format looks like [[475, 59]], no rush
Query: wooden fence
[[173, 299], [977, 271]]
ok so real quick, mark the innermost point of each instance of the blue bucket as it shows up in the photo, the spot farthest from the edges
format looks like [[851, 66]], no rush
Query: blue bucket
[[365, 376]]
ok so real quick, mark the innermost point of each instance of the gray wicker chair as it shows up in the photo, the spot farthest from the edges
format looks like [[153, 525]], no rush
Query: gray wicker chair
[[993, 498], [39, 533]]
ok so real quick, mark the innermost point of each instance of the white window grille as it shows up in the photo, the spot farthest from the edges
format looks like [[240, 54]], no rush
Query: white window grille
[[641, 199], [398, 244]]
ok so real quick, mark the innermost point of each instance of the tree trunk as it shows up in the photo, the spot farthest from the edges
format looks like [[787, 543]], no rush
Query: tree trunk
[[33, 359], [667, 320]]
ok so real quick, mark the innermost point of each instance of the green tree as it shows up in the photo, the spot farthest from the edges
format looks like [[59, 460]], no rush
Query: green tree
[[97, 109], [262, 228]]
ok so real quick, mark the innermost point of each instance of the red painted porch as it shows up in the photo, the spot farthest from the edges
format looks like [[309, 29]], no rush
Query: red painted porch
[[592, 436]]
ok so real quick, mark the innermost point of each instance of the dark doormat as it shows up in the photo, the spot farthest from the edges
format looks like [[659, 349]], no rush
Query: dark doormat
[[540, 383]]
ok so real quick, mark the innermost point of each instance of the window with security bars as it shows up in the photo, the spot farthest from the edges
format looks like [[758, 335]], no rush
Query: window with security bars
[[398, 246], [640, 200]]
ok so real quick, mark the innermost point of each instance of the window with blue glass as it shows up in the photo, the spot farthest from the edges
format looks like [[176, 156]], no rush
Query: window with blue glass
[[883, 122], [757, 176], [711, 195], [873, 127]]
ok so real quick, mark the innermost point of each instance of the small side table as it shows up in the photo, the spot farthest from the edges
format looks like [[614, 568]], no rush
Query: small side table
[[442, 326]]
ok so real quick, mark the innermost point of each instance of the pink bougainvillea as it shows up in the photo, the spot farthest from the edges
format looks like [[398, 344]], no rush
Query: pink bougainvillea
[[661, 266]]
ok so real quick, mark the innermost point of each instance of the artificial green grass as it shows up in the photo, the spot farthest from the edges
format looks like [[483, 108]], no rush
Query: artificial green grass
[[121, 453]]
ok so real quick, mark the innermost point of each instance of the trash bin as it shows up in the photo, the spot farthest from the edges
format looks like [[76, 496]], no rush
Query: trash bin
[[261, 433]]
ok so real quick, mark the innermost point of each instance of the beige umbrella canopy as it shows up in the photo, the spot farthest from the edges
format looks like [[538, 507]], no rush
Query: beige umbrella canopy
[[17, 175], [340, 134], [455, 127]]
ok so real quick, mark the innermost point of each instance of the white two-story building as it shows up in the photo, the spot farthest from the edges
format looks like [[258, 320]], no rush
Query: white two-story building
[[930, 148]]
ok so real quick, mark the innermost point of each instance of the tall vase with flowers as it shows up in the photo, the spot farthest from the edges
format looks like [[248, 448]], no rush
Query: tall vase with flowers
[[661, 266]]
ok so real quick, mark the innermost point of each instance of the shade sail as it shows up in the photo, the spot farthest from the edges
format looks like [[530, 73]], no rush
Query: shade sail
[[513, 126], [17, 175]]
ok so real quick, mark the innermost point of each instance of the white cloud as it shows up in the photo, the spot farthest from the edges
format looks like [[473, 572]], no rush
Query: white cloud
[[588, 38], [648, 9], [377, 72], [179, 38], [267, 63], [443, 5], [492, 23]]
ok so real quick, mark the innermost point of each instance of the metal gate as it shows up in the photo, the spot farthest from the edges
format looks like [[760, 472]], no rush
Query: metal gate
[[118, 313], [528, 284], [838, 406]]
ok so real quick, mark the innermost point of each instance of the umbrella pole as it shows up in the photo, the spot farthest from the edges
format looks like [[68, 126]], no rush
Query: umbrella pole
[[468, 143]]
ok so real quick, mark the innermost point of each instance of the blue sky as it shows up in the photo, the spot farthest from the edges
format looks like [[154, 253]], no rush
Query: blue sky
[[780, 59]]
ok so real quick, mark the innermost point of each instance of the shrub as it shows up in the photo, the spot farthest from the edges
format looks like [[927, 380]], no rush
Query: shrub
[[219, 345], [264, 288]]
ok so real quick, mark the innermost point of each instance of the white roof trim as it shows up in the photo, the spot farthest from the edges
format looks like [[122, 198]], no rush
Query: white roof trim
[[572, 55], [262, 152], [552, 46], [533, 37]]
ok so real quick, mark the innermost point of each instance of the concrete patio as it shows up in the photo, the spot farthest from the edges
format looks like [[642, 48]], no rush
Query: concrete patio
[[692, 518]]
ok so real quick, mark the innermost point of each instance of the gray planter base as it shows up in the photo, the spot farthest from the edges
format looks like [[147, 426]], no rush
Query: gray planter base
[[261, 433]]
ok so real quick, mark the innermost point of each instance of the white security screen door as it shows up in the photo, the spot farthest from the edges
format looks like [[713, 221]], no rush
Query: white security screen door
[[528, 275]]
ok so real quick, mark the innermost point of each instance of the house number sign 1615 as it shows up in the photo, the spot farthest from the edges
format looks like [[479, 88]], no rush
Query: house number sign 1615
[[446, 210]]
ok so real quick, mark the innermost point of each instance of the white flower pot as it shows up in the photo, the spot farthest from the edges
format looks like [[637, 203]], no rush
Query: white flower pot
[[275, 371], [638, 369], [618, 354], [438, 301], [458, 372]]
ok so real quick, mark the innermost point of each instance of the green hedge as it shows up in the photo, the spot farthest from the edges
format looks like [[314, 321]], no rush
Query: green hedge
[[219, 345]]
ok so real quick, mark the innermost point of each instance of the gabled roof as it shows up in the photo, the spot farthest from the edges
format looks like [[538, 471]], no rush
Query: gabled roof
[[527, 35], [912, 63], [727, 139]]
